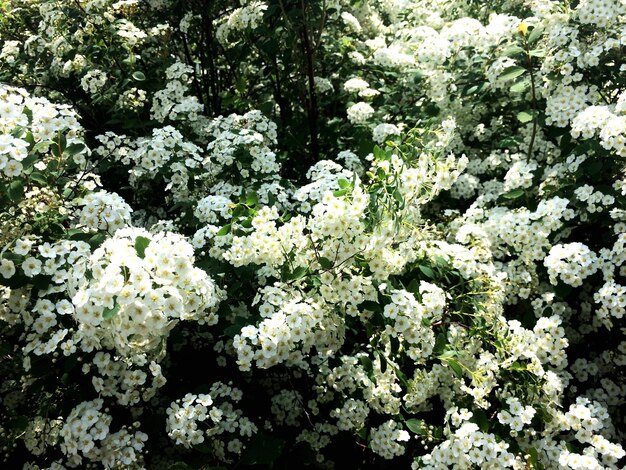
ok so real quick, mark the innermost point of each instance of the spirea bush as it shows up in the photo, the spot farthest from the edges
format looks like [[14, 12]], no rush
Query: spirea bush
[[336, 234]]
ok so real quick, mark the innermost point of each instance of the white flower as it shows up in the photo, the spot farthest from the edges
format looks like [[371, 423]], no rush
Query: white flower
[[355, 85], [359, 113], [7, 268], [31, 266]]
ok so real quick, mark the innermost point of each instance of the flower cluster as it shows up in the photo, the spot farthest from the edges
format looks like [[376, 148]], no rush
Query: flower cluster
[[386, 439], [86, 436], [212, 415], [134, 288], [572, 263], [242, 19]]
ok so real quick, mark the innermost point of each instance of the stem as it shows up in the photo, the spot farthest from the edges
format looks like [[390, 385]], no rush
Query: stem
[[192, 64], [212, 80], [533, 98], [313, 111], [282, 105]]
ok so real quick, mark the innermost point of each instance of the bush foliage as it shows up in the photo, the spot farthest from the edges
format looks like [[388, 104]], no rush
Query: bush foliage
[[325, 234]]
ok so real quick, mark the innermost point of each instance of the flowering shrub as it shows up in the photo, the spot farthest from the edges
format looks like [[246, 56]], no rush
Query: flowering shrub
[[289, 234]]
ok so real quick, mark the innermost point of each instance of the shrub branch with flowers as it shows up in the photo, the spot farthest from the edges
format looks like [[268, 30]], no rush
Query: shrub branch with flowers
[[335, 234]]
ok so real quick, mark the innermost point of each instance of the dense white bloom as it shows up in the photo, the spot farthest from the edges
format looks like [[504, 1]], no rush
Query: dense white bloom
[[382, 132], [140, 285], [359, 113], [351, 21], [195, 417], [386, 439], [420, 306], [355, 85], [86, 435], [247, 17], [572, 263], [104, 211], [93, 81]]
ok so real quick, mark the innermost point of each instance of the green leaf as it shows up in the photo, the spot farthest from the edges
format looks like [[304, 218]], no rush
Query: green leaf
[[111, 312], [517, 366], [366, 362], [15, 190], [447, 354], [508, 142], [53, 165], [514, 194], [416, 426], [456, 367], [428, 272], [204, 448], [562, 290], [512, 72], [297, 273], [18, 132], [534, 457], [30, 139], [325, 263], [139, 76], [591, 167], [59, 144], [96, 240], [343, 183], [403, 379], [431, 110], [440, 261], [394, 342], [440, 343], [521, 86], [41, 281], [362, 433], [371, 306], [340, 192], [537, 53], [74, 149], [524, 117], [29, 161], [141, 243], [397, 195], [380, 154], [38, 177], [414, 286], [29, 114], [383, 362], [512, 51], [480, 417], [535, 34], [223, 231], [252, 199], [470, 90], [43, 145], [77, 234]]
